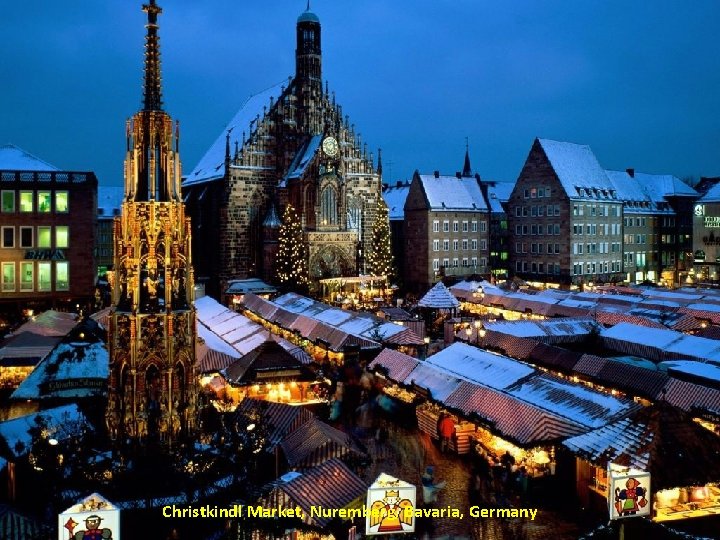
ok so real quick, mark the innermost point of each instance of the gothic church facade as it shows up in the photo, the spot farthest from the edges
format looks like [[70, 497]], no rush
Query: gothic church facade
[[290, 144]]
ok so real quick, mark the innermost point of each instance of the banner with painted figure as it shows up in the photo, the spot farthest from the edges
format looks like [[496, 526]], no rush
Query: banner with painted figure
[[629, 492], [92, 518], [390, 506]]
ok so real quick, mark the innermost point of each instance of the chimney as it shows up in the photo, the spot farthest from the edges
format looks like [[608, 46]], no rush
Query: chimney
[[458, 175], [631, 172], [437, 174], [399, 183]]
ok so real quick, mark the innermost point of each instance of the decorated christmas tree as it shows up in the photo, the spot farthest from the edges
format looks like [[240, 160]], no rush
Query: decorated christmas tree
[[292, 270], [380, 259]]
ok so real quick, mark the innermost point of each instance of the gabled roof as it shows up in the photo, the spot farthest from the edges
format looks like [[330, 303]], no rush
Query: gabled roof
[[212, 165], [395, 200], [267, 358], [439, 297], [453, 193], [315, 440], [577, 168], [13, 158], [660, 186], [661, 439], [280, 419]]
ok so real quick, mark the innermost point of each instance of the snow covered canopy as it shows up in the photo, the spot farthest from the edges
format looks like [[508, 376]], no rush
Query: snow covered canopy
[[439, 297]]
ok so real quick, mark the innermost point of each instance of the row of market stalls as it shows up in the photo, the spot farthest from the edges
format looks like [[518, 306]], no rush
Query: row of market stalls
[[499, 404], [329, 333], [682, 309]]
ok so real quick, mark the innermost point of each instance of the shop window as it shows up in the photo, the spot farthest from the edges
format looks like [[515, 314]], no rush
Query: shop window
[[62, 281], [8, 277], [44, 276], [26, 276], [44, 202]]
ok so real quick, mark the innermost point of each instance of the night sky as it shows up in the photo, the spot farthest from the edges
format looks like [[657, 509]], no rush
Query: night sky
[[637, 81]]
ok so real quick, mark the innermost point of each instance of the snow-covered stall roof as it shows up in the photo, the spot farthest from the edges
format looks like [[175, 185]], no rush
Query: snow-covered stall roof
[[13, 158], [485, 367], [71, 370], [659, 344], [584, 405], [453, 193], [212, 165], [60, 423], [439, 297], [395, 364], [709, 372], [395, 197], [576, 167], [438, 382], [551, 330]]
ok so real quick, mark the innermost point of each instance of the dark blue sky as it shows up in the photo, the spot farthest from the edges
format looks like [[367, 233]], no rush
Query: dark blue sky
[[637, 81]]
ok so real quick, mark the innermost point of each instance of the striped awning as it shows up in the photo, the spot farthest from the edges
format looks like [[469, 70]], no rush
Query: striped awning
[[14, 526], [282, 418], [315, 442], [406, 337], [396, 365]]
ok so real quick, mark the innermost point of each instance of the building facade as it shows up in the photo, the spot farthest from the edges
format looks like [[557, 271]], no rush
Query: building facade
[[47, 225], [109, 204], [152, 391], [446, 229], [706, 237], [290, 144]]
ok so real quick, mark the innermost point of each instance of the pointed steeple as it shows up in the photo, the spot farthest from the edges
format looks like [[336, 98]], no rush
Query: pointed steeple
[[467, 170], [379, 165], [152, 91]]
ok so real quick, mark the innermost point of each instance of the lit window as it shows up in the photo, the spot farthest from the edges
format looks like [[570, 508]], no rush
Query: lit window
[[8, 276], [8, 201], [61, 201], [26, 201], [8, 237], [44, 237], [44, 201], [62, 283], [26, 276], [61, 236], [44, 276], [26, 237]]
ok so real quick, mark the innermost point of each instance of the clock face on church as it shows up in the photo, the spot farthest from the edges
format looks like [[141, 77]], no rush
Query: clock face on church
[[330, 146]]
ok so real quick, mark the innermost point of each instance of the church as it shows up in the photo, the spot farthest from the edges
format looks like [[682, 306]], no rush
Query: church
[[288, 145]]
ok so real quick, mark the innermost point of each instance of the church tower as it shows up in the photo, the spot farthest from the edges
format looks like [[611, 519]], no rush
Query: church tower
[[308, 72], [152, 395]]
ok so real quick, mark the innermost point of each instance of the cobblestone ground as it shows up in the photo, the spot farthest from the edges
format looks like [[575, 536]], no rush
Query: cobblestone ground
[[405, 455]]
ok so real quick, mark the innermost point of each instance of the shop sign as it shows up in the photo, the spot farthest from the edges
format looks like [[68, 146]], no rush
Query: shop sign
[[629, 492], [45, 255], [390, 506], [92, 517]]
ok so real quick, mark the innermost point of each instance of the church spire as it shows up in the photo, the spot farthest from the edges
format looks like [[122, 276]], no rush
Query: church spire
[[467, 170], [152, 91], [379, 165]]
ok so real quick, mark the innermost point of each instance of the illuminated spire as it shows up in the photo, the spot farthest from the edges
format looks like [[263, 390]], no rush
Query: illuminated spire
[[152, 91]]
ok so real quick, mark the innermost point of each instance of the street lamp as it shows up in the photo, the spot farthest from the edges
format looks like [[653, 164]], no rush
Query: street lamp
[[478, 329], [468, 331]]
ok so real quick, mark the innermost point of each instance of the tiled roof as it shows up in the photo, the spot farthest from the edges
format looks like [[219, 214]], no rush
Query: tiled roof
[[329, 485], [590, 365], [439, 297], [635, 380], [396, 364], [688, 396], [408, 337], [513, 419], [314, 442], [660, 438]]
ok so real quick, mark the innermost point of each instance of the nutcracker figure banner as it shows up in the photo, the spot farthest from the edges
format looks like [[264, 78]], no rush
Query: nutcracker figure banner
[[390, 506], [93, 518], [629, 492]]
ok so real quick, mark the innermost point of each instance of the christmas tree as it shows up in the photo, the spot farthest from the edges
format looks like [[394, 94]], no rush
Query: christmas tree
[[380, 259], [292, 270]]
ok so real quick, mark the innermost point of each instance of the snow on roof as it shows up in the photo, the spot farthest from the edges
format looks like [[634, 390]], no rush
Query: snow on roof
[[439, 383], [577, 402], [439, 297], [453, 193], [660, 186], [13, 158], [498, 194], [630, 190], [65, 371], [576, 167], [691, 367], [61, 422], [551, 327], [704, 307], [110, 200], [395, 200], [478, 365], [712, 195], [304, 157], [212, 164]]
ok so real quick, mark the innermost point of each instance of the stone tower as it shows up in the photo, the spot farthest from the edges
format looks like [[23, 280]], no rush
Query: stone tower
[[152, 396]]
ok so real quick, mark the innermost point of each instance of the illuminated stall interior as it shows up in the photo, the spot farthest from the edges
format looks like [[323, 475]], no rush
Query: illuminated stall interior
[[356, 291], [682, 457]]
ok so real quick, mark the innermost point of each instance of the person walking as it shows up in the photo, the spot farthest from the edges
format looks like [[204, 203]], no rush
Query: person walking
[[447, 432]]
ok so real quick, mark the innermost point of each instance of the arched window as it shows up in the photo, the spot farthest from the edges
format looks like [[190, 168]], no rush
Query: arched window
[[328, 206]]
